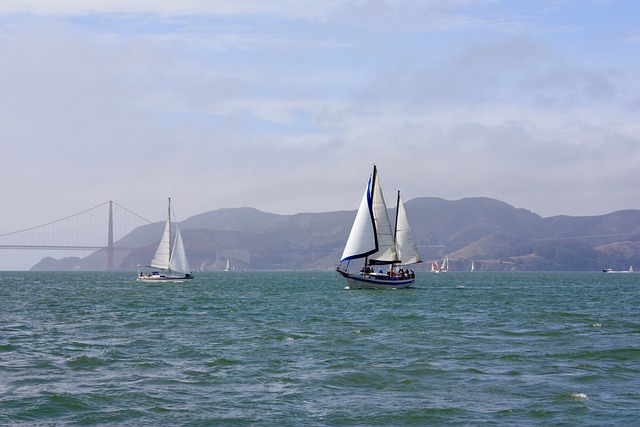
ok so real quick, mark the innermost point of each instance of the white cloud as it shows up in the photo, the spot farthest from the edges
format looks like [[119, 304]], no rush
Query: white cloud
[[283, 8], [286, 107]]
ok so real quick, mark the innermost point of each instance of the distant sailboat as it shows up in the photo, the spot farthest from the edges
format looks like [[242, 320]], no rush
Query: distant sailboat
[[611, 270], [171, 259], [227, 267], [374, 240], [442, 268], [473, 267]]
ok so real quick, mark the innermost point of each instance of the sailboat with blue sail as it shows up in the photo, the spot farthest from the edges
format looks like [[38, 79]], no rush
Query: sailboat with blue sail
[[379, 244]]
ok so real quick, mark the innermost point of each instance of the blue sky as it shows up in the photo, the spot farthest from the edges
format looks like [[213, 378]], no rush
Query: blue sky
[[284, 105]]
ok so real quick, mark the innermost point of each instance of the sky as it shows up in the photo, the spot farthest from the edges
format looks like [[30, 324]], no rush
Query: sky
[[285, 105]]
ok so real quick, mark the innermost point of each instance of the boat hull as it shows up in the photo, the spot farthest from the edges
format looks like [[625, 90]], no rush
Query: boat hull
[[162, 278], [356, 281]]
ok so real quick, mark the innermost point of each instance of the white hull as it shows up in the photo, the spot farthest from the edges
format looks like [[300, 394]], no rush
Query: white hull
[[162, 278], [610, 270], [375, 281]]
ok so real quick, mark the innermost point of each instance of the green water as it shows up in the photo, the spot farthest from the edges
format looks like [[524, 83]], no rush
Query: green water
[[291, 349]]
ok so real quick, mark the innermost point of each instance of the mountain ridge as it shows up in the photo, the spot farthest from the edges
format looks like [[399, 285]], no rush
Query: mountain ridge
[[493, 234]]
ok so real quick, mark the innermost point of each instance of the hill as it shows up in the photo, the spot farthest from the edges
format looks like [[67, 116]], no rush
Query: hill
[[492, 234]]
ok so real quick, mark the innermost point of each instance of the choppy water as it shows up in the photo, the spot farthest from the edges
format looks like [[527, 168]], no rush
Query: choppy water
[[292, 349]]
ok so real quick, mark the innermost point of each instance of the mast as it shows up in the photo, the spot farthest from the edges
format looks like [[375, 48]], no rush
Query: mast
[[169, 226], [372, 193], [110, 238], [395, 228]]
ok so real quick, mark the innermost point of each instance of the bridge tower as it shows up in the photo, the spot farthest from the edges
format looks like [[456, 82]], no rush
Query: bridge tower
[[110, 238]]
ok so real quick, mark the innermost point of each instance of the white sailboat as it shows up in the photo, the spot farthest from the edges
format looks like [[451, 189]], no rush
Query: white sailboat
[[374, 240], [170, 259], [473, 266], [611, 270], [227, 268], [444, 267]]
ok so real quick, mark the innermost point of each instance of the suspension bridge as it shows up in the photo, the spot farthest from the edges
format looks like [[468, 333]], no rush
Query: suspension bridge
[[94, 229]]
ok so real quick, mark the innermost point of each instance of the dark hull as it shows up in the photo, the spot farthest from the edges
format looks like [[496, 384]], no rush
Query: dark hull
[[357, 281]]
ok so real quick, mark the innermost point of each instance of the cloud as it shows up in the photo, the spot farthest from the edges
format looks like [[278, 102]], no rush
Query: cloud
[[282, 8], [284, 106]]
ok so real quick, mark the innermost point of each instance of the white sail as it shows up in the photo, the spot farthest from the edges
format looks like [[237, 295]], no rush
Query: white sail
[[179, 261], [362, 239], [163, 254], [405, 240], [386, 245]]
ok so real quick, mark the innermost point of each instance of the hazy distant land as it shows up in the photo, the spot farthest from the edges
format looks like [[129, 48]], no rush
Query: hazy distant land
[[494, 235]]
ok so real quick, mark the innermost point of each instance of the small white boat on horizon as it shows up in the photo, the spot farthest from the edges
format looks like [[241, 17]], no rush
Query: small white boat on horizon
[[611, 270]]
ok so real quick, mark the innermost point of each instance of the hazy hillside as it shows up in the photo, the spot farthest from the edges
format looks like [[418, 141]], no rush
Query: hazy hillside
[[491, 233]]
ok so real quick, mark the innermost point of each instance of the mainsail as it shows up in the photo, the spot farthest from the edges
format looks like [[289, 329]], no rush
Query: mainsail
[[162, 258], [166, 258]]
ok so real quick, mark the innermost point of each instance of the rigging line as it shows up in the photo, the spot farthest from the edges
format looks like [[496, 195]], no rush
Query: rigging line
[[53, 222], [132, 213], [387, 181]]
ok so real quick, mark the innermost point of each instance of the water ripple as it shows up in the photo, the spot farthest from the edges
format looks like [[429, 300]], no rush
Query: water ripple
[[297, 349]]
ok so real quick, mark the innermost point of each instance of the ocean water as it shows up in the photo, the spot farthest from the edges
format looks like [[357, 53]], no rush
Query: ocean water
[[296, 348]]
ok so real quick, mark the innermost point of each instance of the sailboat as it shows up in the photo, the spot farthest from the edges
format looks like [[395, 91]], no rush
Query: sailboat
[[227, 267], [444, 267], [434, 267], [473, 266], [611, 270], [374, 240], [170, 259]]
